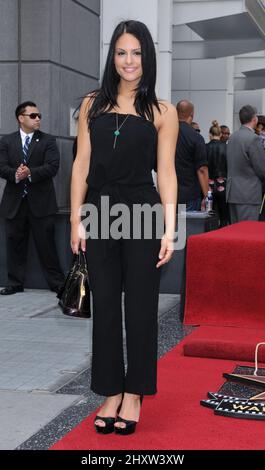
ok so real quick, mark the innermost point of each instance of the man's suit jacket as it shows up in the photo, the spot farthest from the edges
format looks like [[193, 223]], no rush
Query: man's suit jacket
[[43, 161], [245, 167]]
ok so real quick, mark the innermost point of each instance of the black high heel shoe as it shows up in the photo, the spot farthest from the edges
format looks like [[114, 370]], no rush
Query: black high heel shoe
[[109, 422], [130, 425]]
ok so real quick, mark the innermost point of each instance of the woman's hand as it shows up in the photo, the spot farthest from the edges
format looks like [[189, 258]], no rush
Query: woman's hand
[[166, 250], [77, 237]]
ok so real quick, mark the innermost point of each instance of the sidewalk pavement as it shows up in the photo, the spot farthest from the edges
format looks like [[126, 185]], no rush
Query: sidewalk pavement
[[41, 350]]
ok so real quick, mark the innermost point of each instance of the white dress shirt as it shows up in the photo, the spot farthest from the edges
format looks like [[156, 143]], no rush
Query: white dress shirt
[[23, 136]]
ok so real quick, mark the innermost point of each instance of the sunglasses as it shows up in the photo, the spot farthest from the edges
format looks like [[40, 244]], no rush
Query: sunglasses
[[198, 130], [33, 115]]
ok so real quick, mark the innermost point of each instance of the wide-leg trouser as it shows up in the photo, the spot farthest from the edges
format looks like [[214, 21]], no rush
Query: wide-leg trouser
[[130, 264]]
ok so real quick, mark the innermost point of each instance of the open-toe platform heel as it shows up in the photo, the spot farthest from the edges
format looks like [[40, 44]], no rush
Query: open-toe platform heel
[[109, 423], [130, 425]]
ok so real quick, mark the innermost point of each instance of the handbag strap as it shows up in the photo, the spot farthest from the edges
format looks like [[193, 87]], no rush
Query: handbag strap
[[82, 259]]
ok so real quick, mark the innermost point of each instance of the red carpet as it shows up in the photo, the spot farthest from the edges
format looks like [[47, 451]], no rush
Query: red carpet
[[226, 277], [225, 343], [174, 419]]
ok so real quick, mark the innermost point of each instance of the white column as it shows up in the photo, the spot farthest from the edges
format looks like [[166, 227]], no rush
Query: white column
[[164, 56]]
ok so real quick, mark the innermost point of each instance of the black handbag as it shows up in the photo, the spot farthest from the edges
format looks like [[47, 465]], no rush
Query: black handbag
[[74, 297]]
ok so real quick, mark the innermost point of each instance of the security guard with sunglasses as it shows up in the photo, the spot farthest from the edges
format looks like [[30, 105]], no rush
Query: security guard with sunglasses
[[29, 159]]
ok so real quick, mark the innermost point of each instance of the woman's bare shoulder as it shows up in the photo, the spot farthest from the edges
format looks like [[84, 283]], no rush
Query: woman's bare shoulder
[[166, 107], [87, 102], [167, 112]]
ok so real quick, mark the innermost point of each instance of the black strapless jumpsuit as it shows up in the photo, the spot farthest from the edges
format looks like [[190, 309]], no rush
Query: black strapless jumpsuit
[[123, 174]]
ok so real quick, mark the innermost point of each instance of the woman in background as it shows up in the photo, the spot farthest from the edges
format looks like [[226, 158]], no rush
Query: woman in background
[[217, 166]]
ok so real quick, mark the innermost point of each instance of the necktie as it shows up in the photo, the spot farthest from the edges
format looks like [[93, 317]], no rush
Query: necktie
[[25, 162]]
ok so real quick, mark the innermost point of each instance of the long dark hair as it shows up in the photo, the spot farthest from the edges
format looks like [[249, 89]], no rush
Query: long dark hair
[[105, 98]]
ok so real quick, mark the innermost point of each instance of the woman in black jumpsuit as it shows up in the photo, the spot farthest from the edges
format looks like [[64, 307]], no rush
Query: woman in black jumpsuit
[[120, 141]]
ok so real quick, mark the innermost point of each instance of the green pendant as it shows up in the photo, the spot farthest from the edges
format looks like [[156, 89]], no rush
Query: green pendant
[[117, 133]]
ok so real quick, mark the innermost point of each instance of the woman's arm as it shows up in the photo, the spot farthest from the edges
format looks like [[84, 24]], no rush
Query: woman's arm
[[167, 179], [79, 175]]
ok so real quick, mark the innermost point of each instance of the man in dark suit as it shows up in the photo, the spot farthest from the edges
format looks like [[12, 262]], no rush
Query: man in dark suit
[[246, 169], [29, 159]]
